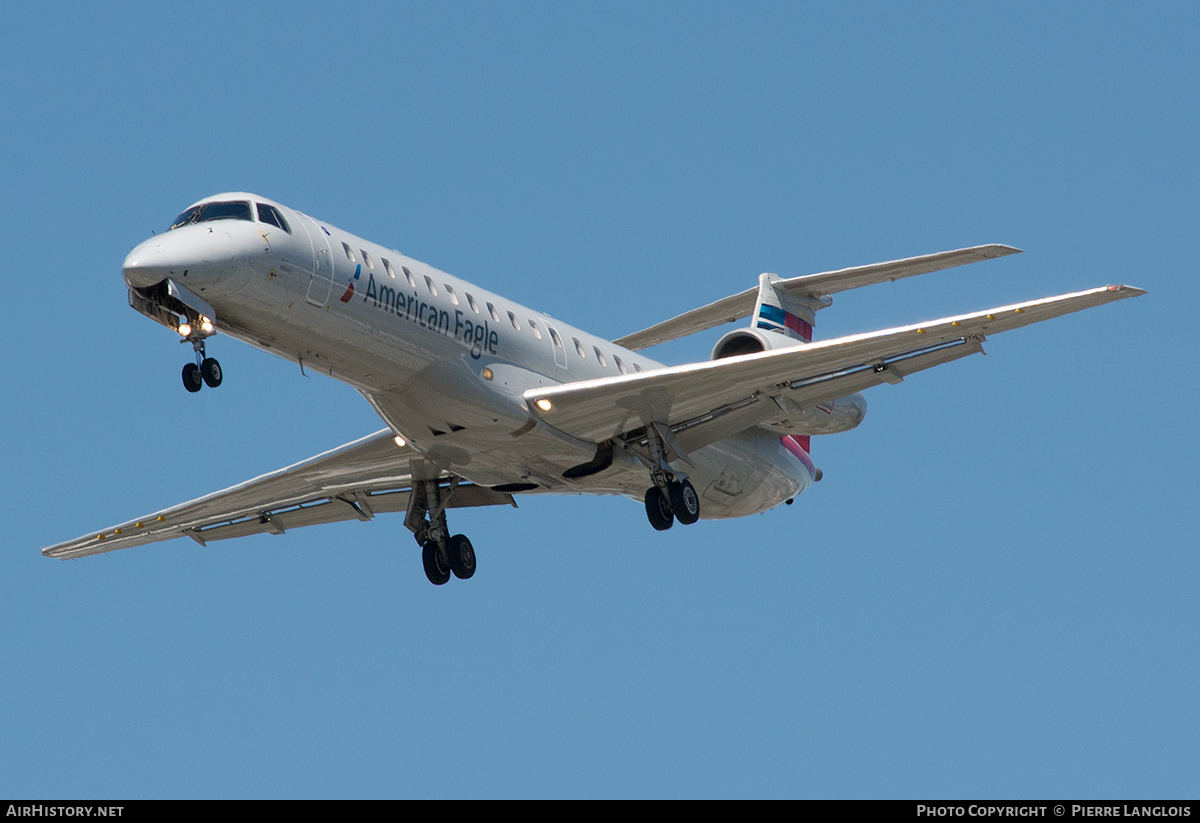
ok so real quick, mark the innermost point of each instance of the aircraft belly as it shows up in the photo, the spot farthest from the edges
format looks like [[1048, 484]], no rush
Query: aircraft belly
[[746, 474]]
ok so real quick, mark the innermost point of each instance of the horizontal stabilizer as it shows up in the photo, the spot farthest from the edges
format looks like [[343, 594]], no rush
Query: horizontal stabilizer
[[810, 286]]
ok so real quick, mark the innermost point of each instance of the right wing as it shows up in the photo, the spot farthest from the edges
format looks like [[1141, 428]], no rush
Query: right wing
[[352, 482], [816, 286], [705, 401]]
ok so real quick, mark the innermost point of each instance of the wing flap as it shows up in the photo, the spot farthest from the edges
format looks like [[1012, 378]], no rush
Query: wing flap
[[600, 409], [740, 305]]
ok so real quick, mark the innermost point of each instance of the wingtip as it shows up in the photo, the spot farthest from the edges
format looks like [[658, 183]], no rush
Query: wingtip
[[1129, 291], [1002, 250]]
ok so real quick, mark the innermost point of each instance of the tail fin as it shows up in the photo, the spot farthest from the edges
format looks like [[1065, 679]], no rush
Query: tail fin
[[783, 312], [792, 315]]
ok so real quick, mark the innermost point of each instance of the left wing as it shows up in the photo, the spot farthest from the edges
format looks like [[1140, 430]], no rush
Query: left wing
[[752, 389], [354, 481]]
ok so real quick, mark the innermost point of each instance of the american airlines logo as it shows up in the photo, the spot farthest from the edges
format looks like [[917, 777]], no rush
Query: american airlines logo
[[478, 337]]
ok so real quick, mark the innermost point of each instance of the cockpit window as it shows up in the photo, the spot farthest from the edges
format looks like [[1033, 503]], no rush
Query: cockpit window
[[188, 216], [213, 211], [270, 214]]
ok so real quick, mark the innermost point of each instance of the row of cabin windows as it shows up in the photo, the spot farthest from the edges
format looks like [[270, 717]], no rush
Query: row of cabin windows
[[512, 318]]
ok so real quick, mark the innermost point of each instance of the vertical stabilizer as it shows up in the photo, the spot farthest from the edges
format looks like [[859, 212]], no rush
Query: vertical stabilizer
[[780, 311]]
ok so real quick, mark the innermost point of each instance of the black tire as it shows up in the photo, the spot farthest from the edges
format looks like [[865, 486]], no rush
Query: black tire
[[462, 557], [685, 503], [191, 377], [210, 370], [436, 567], [658, 509]]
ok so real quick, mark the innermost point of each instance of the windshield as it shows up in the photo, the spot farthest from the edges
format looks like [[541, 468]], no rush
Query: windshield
[[204, 212]]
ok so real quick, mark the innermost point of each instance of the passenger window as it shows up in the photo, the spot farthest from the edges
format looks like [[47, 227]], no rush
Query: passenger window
[[367, 260], [492, 311], [412, 281], [555, 338], [471, 302], [429, 284], [450, 291], [512, 318], [536, 331], [579, 348], [388, 268], [636, 367], [600, 356], [620, 365], [349, 252]]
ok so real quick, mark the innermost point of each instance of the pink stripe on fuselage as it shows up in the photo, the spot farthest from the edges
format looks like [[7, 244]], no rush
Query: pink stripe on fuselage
[[792, 444]]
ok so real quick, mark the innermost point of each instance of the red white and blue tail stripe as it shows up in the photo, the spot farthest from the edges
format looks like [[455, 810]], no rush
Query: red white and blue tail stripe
[[774, 318], [781, 311]]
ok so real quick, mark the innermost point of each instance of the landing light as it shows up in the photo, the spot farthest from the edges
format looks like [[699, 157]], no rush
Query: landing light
[[400, 441], [206, 325], [544, 404], [185, 329]]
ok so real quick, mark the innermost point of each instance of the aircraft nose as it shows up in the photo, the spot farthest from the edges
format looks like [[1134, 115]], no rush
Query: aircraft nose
[[146, 265], [174, 255]]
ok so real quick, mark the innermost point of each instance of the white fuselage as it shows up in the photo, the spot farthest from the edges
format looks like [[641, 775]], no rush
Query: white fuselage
[[444, 362]]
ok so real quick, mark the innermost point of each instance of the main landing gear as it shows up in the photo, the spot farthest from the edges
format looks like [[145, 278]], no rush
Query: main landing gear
[[671, 498], [441, 555], [205, 371], [678, 502]]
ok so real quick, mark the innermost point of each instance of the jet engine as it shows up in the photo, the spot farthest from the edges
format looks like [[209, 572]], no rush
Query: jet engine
[[831, 417]]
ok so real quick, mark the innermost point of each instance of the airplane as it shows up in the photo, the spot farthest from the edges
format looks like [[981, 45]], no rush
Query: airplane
[[485, 400]]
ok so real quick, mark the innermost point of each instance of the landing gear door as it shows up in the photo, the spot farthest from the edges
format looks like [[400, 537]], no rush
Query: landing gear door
[[322, 263]]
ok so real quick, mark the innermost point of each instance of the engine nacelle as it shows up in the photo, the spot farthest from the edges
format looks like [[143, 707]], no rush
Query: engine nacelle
[[751, 341], [831, 417]]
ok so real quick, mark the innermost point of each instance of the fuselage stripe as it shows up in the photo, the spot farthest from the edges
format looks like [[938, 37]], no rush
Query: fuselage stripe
[[792, 444]]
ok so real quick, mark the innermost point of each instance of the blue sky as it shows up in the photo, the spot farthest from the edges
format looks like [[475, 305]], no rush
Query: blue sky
[[991, 594]]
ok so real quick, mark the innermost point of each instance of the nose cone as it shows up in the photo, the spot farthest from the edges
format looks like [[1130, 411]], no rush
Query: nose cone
[[176, 254], [146, 265]]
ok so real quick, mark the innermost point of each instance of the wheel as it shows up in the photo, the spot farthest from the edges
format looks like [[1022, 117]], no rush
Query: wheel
[[658, 509], [685, 503], [191, 377], [210, 370], [437, 569], [462, 556]]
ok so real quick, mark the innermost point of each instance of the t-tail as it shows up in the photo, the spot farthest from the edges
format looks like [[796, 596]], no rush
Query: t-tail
[[784, 312]]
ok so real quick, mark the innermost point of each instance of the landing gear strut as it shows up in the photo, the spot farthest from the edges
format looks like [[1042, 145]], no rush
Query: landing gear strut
[[206, 370], [441, 554], [671, 497]]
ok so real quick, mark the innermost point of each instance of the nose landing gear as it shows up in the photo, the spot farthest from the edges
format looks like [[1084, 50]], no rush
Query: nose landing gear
[[206, 370]]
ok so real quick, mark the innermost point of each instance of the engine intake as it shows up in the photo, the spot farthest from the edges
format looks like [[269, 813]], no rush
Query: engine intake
[[751, 341]]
